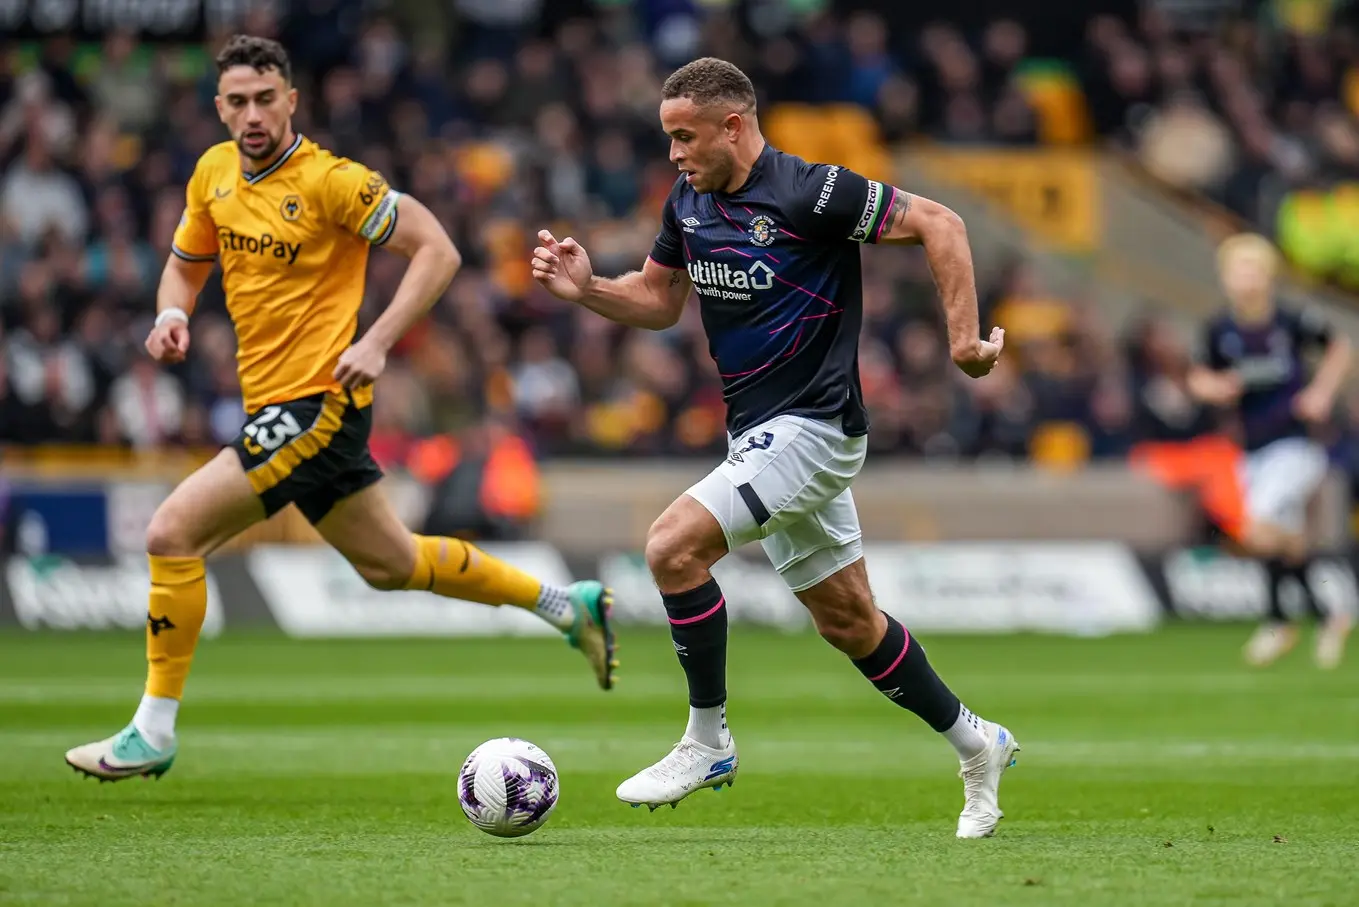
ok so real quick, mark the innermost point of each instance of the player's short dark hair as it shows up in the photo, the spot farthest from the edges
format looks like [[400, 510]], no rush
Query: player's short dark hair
[[709, 80], [262, 54]]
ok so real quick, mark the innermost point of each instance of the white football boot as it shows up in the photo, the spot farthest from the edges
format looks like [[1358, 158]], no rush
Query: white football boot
[[1330, 642], [690, 766], [127, 754], [981, 783], [1270, 642]]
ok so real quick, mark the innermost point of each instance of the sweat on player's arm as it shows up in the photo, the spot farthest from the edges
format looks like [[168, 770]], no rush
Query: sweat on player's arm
[[652, 298], [434, 260]]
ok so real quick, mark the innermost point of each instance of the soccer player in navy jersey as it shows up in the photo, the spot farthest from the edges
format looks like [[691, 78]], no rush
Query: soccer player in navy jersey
[[770, 243], [1254, 362]]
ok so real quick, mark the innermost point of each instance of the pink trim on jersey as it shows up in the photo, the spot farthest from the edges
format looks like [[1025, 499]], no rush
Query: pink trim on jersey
[[803, 318], [706, 614], [726, 215], [772, 258], [883, 226], [906, 645], [807, 291], [737, 251], [666, 266], [749, 372], [792, 234]]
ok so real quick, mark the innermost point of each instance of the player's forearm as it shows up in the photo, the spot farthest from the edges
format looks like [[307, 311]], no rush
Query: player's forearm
[[950, 260], [180, 283], [1208, 386], [629, 300], [429, 273], [1334, 365]]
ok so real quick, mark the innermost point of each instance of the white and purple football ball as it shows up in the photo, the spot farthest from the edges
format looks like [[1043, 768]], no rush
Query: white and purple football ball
[[508, 787]]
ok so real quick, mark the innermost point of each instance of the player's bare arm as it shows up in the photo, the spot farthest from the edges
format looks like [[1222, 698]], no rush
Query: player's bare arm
[[1213, 387], [1315, 402], [434, 260], [916, 220], [180, 283], [652, 298]]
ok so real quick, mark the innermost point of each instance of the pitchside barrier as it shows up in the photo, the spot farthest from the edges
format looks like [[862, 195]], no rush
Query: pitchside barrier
[[75, 508], [1070, 588], [949, 549]]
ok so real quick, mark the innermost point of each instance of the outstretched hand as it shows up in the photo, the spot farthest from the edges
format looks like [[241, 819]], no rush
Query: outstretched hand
[[562, 267]]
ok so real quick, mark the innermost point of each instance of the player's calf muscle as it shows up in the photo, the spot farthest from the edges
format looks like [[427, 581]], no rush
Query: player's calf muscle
[[842, 609]]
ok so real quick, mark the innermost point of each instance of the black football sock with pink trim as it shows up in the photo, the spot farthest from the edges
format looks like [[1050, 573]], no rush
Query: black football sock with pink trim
[[901, 672], [698, 628]]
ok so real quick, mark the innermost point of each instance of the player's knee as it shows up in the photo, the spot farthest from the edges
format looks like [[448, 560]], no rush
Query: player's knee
[[683, 543], [1264, 540], [668, 556], [170, 534], [676, 561]]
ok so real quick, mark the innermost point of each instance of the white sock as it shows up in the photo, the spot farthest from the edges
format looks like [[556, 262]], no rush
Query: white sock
[[968, 735], [554, 606], [155, 720], [709, 726]]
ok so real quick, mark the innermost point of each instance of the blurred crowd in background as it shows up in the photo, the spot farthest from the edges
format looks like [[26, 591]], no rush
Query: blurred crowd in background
[[503, 126]]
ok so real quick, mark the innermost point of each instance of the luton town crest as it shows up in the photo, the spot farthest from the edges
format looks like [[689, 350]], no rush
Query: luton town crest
[[761, 230]]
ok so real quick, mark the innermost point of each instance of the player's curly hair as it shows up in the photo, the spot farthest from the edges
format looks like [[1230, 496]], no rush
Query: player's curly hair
[[262, 54], [709, 80]]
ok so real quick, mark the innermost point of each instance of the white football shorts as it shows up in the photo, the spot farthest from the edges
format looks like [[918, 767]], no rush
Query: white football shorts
[[786, 483], [1280, 479]]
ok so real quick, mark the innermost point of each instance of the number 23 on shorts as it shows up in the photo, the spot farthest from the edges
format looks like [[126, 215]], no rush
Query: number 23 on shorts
[[270, 430]]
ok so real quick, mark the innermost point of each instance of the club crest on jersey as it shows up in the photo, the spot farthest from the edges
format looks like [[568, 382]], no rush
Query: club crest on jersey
[[762, 230], [291, 209]]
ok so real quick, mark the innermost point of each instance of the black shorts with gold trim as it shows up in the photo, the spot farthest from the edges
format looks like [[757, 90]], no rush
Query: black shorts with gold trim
[[312, 452]]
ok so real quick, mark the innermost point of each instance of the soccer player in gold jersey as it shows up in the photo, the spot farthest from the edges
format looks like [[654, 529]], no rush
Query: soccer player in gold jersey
[[291, 225]]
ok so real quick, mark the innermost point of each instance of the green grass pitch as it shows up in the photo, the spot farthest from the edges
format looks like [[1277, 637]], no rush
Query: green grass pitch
[[1155, 770]]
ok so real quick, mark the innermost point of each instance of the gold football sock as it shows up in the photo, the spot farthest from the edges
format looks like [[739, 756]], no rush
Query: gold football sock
[[457, 569], [179, 601]]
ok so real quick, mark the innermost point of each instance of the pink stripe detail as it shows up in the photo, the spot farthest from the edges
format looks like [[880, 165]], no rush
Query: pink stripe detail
[[906, 645], [727, 216], [737, 251], [772, 258], [792, 234], [709, 613], [803, 318], [883, 226], [807, 291], [666, 266], [796, 341], [747, 210], [743, 374]]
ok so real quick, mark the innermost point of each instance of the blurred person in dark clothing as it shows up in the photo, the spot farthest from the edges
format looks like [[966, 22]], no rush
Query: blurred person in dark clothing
[[1256, 364]]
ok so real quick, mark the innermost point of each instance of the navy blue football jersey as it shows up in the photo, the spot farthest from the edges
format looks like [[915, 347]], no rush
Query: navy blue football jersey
[[776, 268], [1271, 360]]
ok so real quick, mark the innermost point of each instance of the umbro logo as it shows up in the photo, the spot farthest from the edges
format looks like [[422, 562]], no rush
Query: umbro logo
[[679, 649], [892, 693], [690, 223]]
